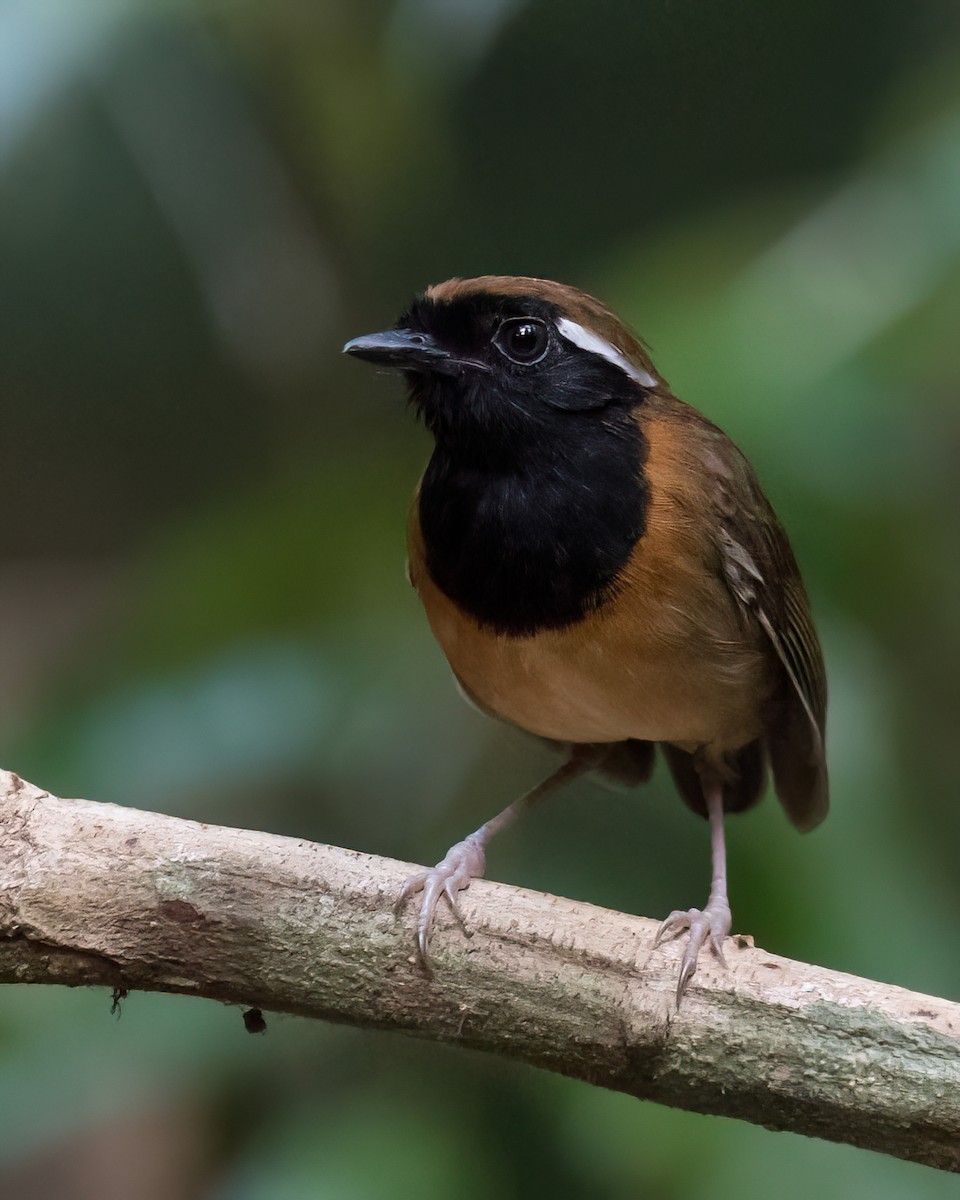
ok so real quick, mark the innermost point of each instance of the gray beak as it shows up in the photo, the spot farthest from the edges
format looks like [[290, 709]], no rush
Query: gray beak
[[402, 348]]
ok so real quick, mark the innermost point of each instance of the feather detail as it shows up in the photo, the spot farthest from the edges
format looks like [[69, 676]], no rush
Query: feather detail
[[762, 574]]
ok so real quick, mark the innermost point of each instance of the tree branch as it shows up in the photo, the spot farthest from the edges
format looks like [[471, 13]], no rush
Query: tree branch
[[97, 894]]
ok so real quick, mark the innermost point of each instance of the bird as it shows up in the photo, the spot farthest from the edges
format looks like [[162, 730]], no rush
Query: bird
[[602, 569]]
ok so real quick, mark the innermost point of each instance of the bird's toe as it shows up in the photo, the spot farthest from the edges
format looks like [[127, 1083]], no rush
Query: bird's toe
[[711, 923], [462, 862]]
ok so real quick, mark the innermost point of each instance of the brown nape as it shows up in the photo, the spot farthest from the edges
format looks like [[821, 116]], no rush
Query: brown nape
[[578, 306]]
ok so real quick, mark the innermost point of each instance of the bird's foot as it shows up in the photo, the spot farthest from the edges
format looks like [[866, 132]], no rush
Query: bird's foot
[[711, 922], [462, 862]]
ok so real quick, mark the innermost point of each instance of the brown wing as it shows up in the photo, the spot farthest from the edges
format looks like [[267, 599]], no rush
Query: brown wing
[[761, 572]]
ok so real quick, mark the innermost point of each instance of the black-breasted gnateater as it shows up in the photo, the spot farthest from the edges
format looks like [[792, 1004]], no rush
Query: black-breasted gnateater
[[600, 566]]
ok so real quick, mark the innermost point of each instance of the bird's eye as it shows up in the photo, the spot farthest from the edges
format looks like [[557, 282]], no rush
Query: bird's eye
[[523, 340]]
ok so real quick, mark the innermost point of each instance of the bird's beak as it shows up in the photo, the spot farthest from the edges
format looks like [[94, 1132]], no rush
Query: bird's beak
[[403, 348]]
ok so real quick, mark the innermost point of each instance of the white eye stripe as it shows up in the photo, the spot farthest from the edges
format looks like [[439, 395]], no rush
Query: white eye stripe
[[594, 344]]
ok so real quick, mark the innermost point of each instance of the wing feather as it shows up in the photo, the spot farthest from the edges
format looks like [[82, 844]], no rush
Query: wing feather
[[760, 569]]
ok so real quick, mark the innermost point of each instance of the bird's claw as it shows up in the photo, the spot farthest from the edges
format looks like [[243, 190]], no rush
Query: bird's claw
[[462, 862], [712, 922]]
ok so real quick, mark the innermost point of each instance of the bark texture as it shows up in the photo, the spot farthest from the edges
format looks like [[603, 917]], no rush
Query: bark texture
[[95, 894]]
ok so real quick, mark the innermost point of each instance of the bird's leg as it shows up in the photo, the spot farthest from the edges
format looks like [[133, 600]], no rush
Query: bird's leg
[[713, 921], [467, 859]]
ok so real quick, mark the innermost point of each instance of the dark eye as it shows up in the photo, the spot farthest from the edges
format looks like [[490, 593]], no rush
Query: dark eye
[[522, 339]]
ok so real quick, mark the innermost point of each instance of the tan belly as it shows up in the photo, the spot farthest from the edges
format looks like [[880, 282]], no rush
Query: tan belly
[[610, 677]]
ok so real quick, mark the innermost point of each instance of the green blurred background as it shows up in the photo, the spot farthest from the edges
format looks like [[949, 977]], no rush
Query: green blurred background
[[202, 602]]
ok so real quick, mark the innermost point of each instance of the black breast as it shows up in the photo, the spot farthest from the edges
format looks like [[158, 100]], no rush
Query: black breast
[[535, 540]]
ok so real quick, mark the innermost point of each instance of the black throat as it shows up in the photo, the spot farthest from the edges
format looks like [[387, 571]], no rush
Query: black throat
[[533, 536]]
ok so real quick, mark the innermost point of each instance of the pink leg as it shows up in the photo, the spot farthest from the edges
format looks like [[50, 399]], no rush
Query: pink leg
[[467, 859], [713, 921]]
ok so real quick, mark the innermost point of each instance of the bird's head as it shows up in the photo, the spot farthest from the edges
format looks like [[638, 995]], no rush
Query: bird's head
[[500, 359]]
